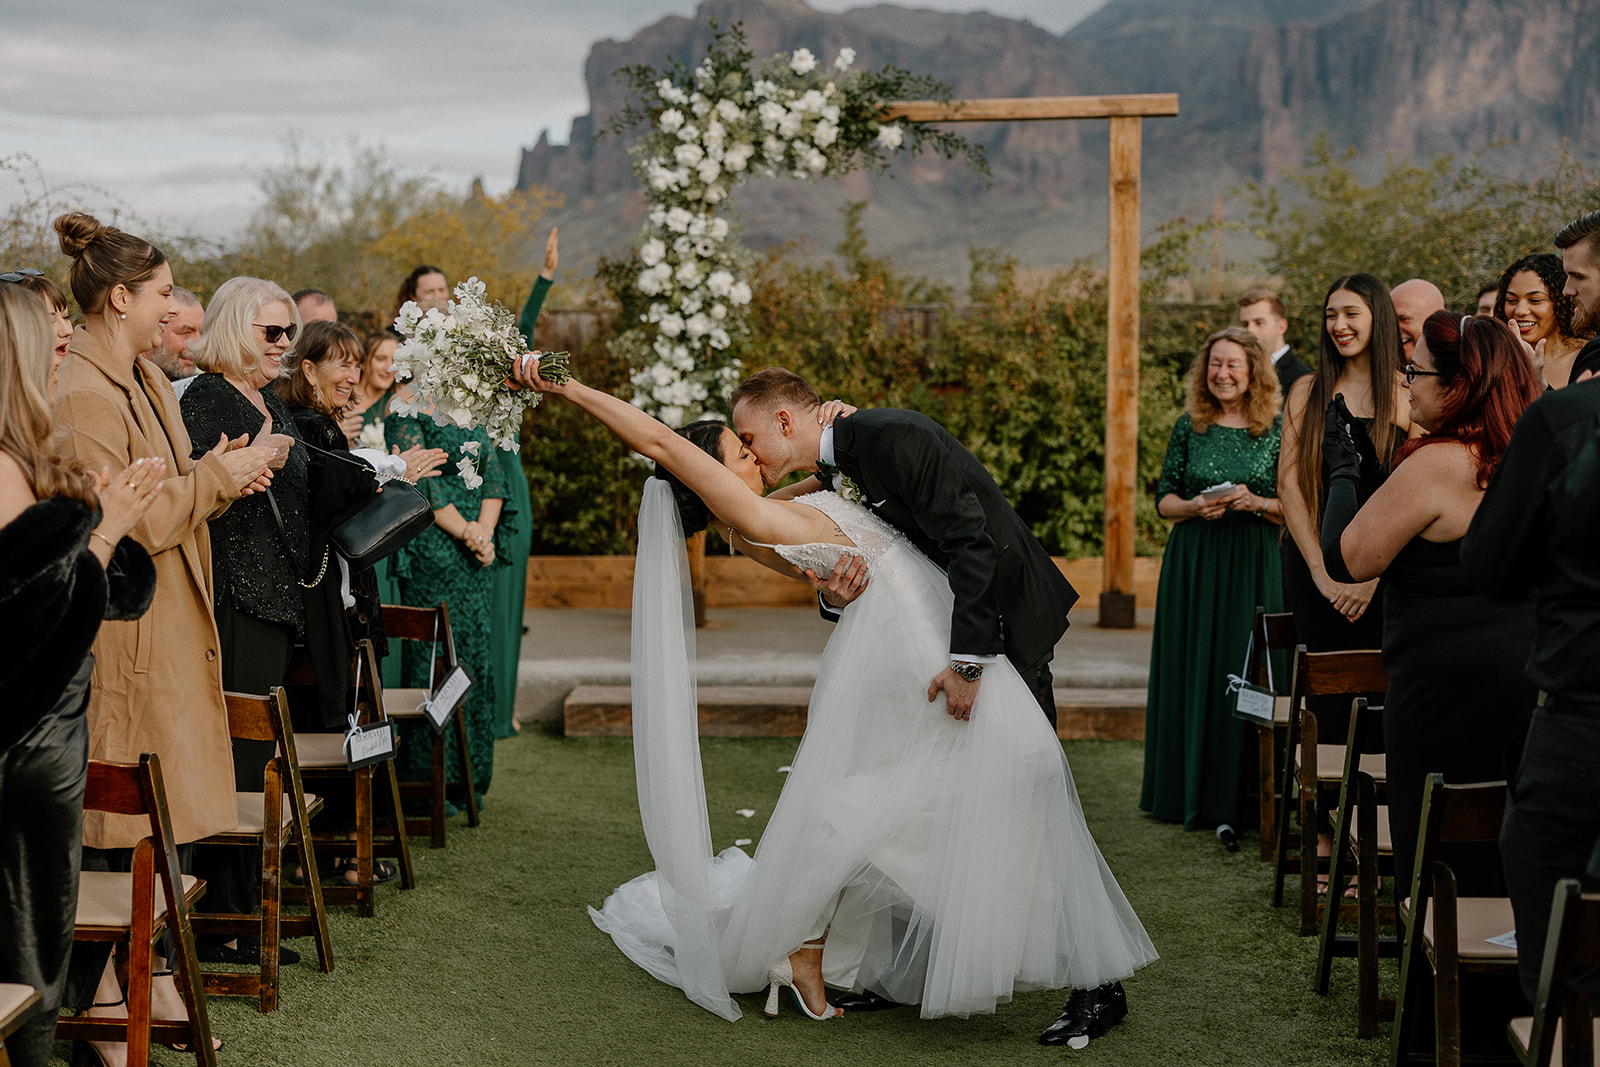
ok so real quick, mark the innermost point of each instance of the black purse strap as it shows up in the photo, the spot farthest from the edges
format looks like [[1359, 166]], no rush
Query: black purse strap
[[283, 532]]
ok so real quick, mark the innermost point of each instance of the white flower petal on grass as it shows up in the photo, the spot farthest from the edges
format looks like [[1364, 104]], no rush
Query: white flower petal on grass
[[740, 842], [747, 813]]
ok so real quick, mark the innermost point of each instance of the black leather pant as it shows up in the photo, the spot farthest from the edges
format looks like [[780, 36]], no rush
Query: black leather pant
[[41, 834]]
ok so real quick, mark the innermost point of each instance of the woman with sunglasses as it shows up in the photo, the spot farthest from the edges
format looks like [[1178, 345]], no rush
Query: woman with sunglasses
[[1458, 699], [55, 302]]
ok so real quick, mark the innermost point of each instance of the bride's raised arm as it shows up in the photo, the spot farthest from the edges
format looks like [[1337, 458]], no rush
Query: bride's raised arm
[[724, 492]]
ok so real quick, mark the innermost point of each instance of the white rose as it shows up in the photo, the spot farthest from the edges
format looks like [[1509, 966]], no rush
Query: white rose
[[890, 137], [670, 119], [710, 171], [678, 220], [813, 102], [789, 125], [771, 113], [825, 134], [720, 283], [803, 62], [671, 325], [846, 57], [689, 155], [728, 111], [652, 252], [739, 294], [815, 161]]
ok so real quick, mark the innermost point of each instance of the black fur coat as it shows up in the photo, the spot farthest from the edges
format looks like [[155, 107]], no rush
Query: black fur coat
[[53, 596]]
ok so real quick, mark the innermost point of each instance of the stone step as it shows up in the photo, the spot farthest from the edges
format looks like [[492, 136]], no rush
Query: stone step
[[780, 711]]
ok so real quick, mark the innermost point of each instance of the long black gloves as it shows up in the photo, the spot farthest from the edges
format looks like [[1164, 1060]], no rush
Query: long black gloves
[[1354, 470]]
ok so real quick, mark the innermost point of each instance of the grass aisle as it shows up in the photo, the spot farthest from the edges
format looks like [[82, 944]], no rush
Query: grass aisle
[[493, 959]]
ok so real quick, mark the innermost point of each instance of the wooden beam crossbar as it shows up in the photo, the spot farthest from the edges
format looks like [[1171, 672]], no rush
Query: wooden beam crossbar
[[1026, 108]]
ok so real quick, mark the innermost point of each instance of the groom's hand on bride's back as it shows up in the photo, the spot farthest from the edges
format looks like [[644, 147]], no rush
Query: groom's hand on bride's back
[[847, 580]]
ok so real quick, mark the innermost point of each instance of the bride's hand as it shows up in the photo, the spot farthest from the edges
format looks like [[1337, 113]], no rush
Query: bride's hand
[[525, 372], [847, 581], [834, 409]]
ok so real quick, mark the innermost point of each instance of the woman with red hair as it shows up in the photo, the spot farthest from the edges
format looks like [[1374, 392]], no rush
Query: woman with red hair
[[1458, 699]]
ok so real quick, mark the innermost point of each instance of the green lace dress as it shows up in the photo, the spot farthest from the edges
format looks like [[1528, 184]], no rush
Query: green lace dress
[[1213, 575], [435, 567]]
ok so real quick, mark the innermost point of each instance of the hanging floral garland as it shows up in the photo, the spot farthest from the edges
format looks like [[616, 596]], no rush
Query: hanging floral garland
[[711, 128]]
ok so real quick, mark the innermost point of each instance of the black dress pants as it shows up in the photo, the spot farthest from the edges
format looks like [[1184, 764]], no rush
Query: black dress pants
[[41, 835]]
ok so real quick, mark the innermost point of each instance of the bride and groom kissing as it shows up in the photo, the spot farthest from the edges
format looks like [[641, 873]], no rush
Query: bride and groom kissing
[[917, 854]]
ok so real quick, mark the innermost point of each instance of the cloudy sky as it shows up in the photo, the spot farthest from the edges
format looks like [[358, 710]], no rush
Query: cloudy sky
[[173, 106]]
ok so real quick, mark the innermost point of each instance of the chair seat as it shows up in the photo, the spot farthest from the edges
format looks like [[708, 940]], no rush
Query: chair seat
[[1330, 765], [1522, 1032], [320, 752], [251, 807], [105, 898], [15, 1000], [1477, 920], [1385, 839], [404, 703]]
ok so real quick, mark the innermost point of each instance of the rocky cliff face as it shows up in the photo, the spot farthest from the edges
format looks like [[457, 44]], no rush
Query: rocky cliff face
[[1258, 81]]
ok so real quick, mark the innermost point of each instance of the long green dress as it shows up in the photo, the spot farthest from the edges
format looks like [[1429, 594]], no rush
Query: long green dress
[[1213, 575], [435, 567], [515, 534]]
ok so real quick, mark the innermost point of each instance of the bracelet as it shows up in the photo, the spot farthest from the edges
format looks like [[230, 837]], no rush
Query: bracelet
[[104, 539]]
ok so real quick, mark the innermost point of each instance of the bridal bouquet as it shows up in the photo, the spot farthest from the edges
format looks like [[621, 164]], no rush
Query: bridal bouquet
[[459, 359]]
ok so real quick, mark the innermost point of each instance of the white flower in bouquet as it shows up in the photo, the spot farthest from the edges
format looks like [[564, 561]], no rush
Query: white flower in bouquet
[[739, 295], [846, 57], [670, 325], [469, 474], [728, 111], [890, 137], [825, 134], [803, 62], [678, 220], [652, 252]]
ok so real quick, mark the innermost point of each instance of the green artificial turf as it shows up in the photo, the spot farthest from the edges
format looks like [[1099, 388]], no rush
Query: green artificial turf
[[492, 959]]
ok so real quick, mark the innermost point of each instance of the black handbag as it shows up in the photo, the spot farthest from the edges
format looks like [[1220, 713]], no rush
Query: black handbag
[[395, 515]]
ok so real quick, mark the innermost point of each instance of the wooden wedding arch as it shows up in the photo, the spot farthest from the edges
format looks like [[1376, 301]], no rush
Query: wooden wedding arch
[[1122, 274]]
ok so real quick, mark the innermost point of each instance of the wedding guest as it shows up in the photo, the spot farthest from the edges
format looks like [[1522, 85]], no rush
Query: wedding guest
[[149, 694], [1580, 259], [315, 305], [1487, 293], [516, 533], [1458, 699], [1221, 561], [1530, 297], [69, 564], [180, 336], [453, 561], [375, 385], [1414, 300], [426, 285], [55, 301], [1263, 314]]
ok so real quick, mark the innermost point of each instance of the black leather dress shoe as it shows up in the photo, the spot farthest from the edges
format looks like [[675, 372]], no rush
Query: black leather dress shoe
[[248, 952], [865, 1000], [1089, 1013]]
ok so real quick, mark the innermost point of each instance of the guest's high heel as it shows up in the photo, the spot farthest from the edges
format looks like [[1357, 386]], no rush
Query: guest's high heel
[[782, 974]]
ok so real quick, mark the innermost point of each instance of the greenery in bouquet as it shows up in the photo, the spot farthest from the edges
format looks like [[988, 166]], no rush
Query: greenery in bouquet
[[710, 128], [459, 360]]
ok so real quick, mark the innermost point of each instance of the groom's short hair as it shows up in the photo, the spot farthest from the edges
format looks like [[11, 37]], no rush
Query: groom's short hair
[[775, 387]]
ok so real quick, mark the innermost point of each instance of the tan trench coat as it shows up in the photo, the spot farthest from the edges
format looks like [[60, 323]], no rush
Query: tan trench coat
[[157, 683]]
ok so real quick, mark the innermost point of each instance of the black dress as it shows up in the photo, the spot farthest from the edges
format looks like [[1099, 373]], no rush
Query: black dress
[[1458, 701]]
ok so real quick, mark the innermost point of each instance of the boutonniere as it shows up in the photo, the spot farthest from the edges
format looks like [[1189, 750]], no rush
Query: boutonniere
[[852, 492]]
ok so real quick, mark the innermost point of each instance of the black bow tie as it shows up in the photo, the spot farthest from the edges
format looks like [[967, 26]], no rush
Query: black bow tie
[[826, 471]]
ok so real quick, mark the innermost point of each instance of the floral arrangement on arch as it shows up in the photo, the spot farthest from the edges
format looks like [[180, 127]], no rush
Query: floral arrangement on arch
[[712, 127]]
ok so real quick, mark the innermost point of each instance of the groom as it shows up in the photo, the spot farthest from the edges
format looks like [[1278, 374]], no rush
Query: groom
[[1010, 598]]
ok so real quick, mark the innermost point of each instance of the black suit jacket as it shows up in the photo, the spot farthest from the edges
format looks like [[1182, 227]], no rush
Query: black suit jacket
[[1009, 595], [1290, 367]]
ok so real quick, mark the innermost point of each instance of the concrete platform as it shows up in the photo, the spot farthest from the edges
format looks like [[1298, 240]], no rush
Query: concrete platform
[[565, 648]]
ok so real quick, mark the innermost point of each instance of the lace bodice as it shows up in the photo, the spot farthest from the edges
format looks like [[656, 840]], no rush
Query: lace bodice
[[872, 536]]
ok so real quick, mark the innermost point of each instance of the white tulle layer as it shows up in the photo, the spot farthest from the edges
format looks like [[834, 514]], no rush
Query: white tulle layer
[[949, 860]]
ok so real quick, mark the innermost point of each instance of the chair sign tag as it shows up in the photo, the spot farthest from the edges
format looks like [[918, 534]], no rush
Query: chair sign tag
[[366, 745], [1255, 703], [447, 697]]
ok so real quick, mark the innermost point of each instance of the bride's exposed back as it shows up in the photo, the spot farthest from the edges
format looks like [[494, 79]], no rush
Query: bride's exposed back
[[932, 860]]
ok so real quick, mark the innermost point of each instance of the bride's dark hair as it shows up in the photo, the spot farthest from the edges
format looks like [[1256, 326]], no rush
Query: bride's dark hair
[[707, 435]]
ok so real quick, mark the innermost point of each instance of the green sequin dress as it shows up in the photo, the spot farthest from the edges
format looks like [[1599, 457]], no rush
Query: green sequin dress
[[436, 567], [1213, 575]]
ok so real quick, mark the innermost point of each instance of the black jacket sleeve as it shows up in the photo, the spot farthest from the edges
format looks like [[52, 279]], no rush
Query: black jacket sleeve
[[1504, 544]]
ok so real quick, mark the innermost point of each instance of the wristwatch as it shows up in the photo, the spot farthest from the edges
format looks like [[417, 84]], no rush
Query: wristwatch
[[970, 671]]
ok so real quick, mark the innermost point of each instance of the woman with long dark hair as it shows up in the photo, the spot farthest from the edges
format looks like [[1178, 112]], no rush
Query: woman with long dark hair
[[1458, 699], [1531, 298]]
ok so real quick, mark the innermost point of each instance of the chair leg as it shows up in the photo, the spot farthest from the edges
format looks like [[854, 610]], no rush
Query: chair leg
[[271, 892], [1267, 780], [300, 835], [1330, 911], [464, 747], [366, 897], [391, 787], [436, 788], [1367, 910], [1286, 792]]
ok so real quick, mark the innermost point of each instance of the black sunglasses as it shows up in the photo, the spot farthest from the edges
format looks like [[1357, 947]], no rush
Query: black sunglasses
[[275, 332], [1413, 372], [18, 275]]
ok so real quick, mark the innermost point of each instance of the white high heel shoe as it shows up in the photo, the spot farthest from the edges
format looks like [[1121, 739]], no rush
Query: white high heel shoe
[[782, 974]]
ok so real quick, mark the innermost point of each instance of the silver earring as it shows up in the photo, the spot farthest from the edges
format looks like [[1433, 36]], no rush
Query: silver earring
[[122, 314]]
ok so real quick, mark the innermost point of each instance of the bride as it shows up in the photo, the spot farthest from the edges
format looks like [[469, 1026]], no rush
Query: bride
[[929, 859]]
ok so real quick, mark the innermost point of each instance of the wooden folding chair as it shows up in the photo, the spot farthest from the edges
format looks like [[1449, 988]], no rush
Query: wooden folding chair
[[275, 820], [1563, 1029], [1444, 932], [18, 1004], [1271, 632], [1311, 769], [1360, 831], [323, 756], [135, 909], [432, 626]]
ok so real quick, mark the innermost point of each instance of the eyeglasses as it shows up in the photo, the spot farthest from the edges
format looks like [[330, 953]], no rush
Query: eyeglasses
[[1413, 372], [18, 275], [275, 332]]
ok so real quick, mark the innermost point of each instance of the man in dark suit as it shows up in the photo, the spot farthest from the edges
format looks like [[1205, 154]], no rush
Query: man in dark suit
[[1010, 598], [1262, 313]]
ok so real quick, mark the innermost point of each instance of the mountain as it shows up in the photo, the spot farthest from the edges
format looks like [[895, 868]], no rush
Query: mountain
[[1258, 81]]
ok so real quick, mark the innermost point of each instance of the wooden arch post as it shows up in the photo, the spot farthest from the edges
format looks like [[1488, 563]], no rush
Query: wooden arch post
[[1122, 275]]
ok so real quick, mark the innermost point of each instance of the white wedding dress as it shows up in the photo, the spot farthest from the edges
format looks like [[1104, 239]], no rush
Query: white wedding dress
[[948, 861]]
